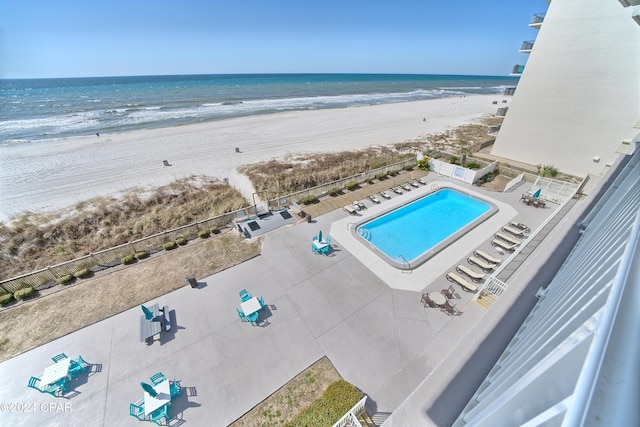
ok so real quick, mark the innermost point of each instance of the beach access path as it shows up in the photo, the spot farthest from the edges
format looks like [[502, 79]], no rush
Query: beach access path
[[49, 176]]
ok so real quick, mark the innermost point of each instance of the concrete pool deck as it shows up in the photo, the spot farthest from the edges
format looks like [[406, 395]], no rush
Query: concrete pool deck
[[417, 278], [379, 338]]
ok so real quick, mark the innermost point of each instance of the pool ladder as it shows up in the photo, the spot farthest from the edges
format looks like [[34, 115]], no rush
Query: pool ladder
[[435, 187]]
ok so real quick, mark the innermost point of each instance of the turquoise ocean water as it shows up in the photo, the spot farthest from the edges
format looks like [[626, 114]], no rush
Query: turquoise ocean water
[[43, 109]]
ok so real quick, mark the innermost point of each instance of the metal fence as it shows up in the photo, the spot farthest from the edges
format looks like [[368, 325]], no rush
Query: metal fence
[[322, 190], [48, 277]]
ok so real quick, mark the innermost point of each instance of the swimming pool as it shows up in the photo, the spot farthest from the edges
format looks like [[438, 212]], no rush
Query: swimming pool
[[411, 234]]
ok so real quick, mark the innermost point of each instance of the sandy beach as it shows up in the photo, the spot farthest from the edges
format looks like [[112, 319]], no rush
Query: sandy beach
[[52, 176]]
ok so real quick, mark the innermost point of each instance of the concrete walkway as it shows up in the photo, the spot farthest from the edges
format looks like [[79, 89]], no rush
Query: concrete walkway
[[380, 339]]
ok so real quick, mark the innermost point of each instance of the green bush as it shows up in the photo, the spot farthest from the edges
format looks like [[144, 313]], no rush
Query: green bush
[[408, 167], [23, 293], [203, 234], [65, 280], [142, 254], [392, 173], [82, 273], [309, 200], [169, 246], [423, 163], [369, 181], [336, 400], [129, 259], [352, 185], [215, 230], [453, 160], [6, 299], [547, 171], [181, 241], [473, 166], [335, 191], [381, 176]]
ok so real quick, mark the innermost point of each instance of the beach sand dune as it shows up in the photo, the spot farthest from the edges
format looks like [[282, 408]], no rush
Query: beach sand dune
[[55, 175]]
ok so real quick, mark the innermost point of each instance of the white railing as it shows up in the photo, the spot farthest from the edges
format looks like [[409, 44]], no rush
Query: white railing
[[351, 417]]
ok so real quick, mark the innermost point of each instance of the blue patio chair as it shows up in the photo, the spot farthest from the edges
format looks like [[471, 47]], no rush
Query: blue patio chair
[[244, 295], [148, 314], [158, 378], [77, 366], [162, 415], [137, 410], [253, 318], [174, 388], [54, 389], [241, 314], [315, 250], [325, 250], [59, 357], [261, 300]]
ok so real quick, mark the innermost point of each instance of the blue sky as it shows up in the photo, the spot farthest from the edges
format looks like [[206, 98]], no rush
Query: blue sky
[[78, 38]]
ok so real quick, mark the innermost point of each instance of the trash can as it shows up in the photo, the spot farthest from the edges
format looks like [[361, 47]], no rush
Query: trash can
[[308, 218]]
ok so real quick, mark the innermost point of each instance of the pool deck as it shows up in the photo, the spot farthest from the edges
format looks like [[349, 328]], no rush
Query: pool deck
[[378, 335]]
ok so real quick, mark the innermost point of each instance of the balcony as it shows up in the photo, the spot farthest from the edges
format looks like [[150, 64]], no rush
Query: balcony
[[509, 91], [517, 70], [536, 20], [526, 46], [627, 3], [635, 14]]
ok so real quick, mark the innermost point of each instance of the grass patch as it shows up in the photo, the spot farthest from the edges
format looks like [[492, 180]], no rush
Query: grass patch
[[33, 241]]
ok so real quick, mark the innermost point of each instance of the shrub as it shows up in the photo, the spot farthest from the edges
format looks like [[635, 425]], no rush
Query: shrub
[[142, 254], [392, 173], [169, 246], [65, 280], [310, 200], [203, 234], [381, 176], [129, 259], [335, 191], [82, 273], [352, 185], [453, 160], [547, 171], [6, 299], [181, 241], [215, 230], [408, 167], [336, 400], [369, 181], [473, 166], [423, 163], [23, 293]]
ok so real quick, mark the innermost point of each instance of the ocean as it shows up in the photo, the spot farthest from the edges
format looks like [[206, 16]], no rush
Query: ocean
[[36, 110]]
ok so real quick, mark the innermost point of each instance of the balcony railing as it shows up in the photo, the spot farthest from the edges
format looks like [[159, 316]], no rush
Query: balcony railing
[[627, 3], [526, 46], [517, 69], [509, 90], [537, 19]]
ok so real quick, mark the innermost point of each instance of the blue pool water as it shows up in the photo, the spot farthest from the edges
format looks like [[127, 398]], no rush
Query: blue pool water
[[412, 231]]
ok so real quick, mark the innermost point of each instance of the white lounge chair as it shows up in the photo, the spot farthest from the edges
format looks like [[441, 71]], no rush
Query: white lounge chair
[[374, 199], [422, 181], [414, 184], [475, 276], [406, 187], [520, 225], [359, 205], [483, 254], [350, 209], [506, 238], [385, 195], [515, 231], [504, 245], [486, 266], [455, 277], [397, 190]]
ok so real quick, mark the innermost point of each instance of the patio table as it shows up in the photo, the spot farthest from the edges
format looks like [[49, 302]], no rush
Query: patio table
[[437, 298], [250, 306], [55, 372], [162, 398]]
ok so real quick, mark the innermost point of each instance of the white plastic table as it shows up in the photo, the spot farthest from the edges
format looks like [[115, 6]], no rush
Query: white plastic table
[[162, 398], [55, 372], [250, 306], [437, 298]]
